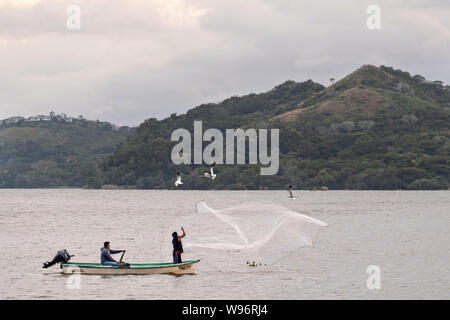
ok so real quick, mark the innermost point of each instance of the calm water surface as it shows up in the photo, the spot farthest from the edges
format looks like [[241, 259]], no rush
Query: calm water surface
[[405, 233]]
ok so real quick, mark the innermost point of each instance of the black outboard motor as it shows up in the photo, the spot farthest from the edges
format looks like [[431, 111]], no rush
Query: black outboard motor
[[62, 256]]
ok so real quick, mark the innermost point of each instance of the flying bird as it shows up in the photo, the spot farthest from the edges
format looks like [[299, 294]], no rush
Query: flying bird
[[290, 192], [211, 175], [178, 182]]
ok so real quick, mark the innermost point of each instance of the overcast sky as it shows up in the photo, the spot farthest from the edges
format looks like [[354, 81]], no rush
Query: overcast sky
[[136, 59]]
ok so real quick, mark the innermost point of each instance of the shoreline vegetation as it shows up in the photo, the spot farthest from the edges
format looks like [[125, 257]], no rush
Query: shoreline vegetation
[[376, 129], [133, 188], [115, 187]]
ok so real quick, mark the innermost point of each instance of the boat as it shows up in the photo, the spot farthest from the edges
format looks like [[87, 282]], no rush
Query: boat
[[187, 267]]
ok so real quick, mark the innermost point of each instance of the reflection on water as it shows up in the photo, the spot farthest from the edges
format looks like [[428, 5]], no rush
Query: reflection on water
[[404, 233]]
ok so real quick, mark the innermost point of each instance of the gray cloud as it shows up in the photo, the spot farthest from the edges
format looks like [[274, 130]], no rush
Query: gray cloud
[[137, 59]]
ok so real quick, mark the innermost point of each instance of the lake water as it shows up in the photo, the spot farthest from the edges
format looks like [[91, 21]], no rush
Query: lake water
[[406, 234]]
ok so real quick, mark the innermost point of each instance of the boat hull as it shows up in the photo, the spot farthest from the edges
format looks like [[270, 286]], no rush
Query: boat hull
[[187, 267]]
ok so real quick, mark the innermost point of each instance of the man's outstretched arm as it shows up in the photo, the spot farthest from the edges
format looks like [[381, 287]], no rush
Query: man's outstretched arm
[[116, 251], [183, 235]]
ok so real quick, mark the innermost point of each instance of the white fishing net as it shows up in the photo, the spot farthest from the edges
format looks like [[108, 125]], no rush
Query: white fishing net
[[255, 234]]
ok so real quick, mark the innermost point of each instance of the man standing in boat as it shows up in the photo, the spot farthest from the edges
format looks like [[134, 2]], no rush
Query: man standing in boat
[[106, 258], [177, 246]]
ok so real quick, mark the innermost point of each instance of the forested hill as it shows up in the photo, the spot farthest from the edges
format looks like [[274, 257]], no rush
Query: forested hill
[[378, 128], [143, 160], [54, 151]]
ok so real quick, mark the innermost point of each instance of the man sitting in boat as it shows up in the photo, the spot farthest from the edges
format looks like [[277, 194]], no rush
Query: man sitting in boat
[[106, 258], [177, 246]]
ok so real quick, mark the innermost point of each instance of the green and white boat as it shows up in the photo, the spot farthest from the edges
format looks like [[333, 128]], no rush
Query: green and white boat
[[187, 267]]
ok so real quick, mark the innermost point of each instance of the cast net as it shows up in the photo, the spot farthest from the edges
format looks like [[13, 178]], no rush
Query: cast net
[[248, 234]]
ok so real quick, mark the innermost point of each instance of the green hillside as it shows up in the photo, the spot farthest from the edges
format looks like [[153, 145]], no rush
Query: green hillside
[[46, 154], [377, 128]]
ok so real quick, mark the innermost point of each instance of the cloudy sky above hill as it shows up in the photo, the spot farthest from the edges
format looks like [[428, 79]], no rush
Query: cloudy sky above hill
[[136, 59]]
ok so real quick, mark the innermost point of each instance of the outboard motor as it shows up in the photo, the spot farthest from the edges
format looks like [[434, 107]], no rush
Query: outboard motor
[[62, 256]]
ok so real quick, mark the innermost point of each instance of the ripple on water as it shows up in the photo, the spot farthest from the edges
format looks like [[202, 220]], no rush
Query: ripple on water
[[405, 233]]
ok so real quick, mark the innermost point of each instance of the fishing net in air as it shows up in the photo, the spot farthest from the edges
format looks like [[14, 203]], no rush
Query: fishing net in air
[[260, 234]]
